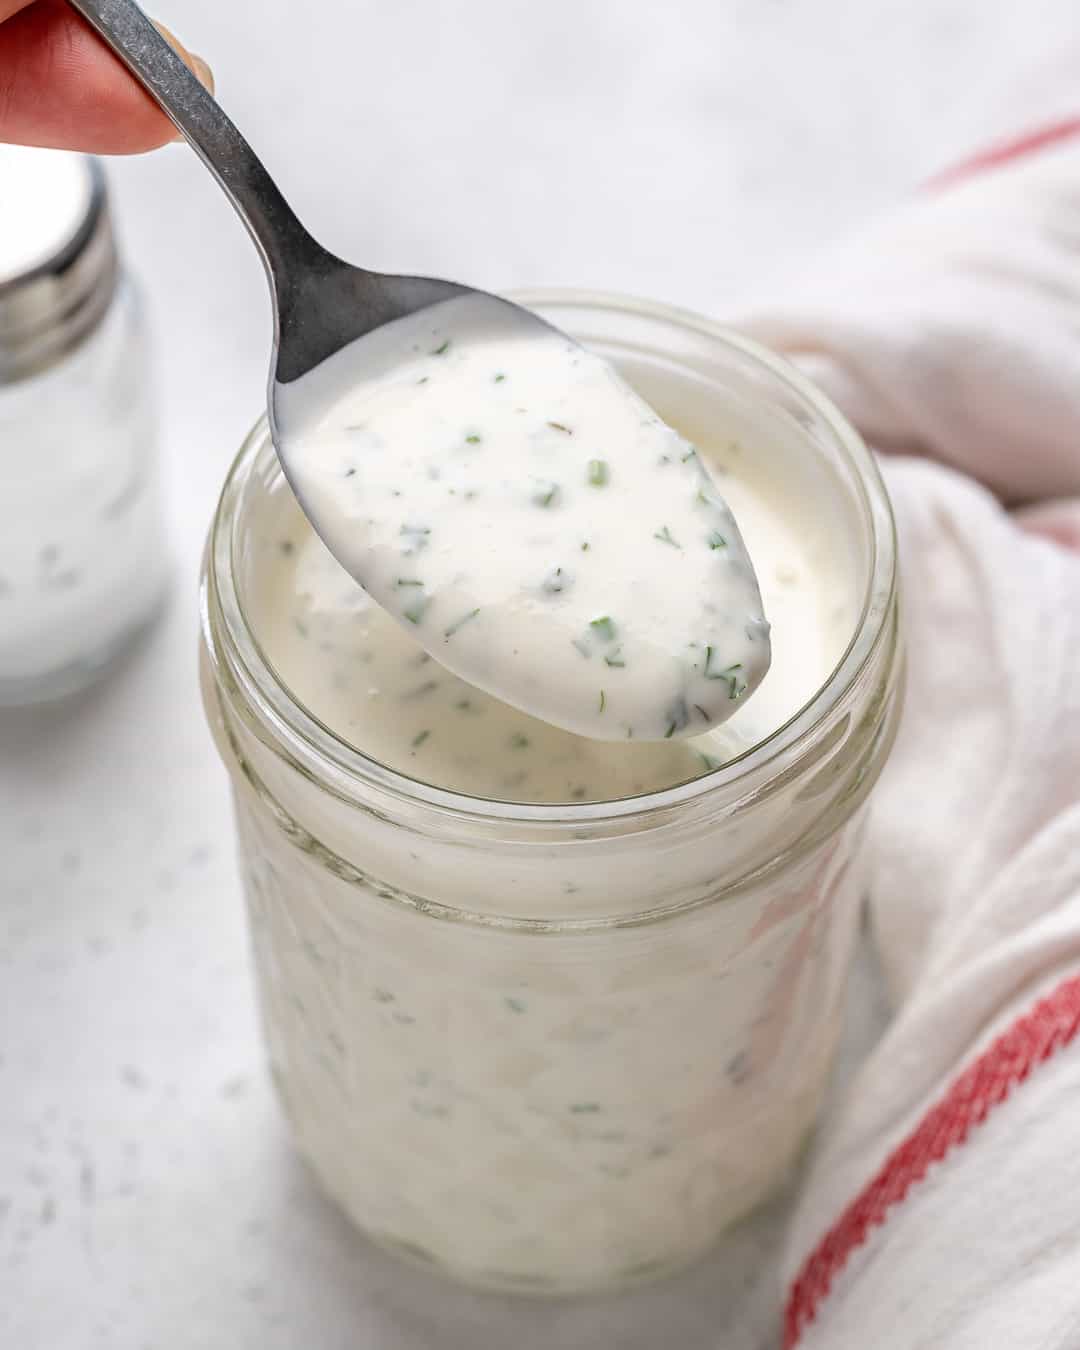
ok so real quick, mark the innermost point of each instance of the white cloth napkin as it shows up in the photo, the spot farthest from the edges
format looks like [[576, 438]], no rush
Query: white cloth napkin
[[943, 1208]]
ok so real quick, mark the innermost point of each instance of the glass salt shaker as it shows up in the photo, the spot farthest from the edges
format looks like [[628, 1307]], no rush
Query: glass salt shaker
[[82, 561]]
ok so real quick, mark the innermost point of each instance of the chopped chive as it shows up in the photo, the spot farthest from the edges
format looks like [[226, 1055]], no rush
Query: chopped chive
[[604, 628], [423, 379], [585, 1108], [670, 731], [515, 1004], [699, 709], [419, 740], [349, 472], [443, 349], [408, 581], [666, 537], [421, 690], [499, 378], [603, 700], [585, 546], [546, 494], [708, 761], [558, 426], [598, 472], [415, 613], [286, 548], [460, 623], [615, 658], [472, 440], [717, 540], [464, 704], [690, 454], [664, 459], [518, 741], [556, 581]]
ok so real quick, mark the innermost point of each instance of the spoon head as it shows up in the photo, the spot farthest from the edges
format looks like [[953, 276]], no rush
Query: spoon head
[[525, 516]]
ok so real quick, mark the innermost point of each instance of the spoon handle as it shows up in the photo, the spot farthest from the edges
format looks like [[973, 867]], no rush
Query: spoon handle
[[280, 238]]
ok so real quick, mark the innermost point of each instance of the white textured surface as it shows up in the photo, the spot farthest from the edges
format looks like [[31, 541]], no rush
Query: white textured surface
[[690, 152]]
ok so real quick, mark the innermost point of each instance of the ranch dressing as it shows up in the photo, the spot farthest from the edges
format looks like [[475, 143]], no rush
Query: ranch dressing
[[531, 523], [526, 1032], [370, 681]]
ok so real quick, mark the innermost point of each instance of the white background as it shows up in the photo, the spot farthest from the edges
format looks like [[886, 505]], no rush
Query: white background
[[688, 150]]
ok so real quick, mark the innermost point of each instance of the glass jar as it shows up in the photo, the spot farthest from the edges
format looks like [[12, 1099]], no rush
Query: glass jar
[[82, 562], [561, 1047]]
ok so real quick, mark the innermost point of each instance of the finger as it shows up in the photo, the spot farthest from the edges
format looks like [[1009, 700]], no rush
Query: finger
[[61, 86], [10, 7]]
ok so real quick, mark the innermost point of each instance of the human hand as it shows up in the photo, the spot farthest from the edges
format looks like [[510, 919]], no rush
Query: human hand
[[60, 86]]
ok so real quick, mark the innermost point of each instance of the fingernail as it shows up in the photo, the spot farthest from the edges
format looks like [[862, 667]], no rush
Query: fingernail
[[202, 70], [194, 63]]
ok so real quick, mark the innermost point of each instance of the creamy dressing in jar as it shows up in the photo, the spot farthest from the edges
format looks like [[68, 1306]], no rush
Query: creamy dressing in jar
[[528, 1029], [530, 521], [372, 683]]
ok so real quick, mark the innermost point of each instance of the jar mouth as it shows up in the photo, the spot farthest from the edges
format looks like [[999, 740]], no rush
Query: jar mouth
[[323, 756]]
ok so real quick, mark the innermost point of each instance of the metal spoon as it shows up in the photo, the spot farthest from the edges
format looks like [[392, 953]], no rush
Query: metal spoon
[[321, 304]]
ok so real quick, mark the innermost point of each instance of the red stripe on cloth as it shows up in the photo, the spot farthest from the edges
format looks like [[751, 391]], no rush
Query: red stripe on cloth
[[1032, 1039], [1017, 148]]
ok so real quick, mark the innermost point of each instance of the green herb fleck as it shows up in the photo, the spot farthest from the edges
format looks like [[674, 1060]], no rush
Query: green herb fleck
[[423, 379], [585, 546], [474, 439], [286, 548], [518, 741], [546, 494], [672, 728], [515, 1005], [708, 762], [382, 996], [584, 1108], [690, 454], [419, 739], [615, 658], [558, 426], [443, 349], [409, 581], [415, 613], [301, 627], [499, 378], [349, 473], [460, 623], [736, 689], [556, 581], [717, 540], [604, 628], [666, 537], [603, 700], [598, 472]]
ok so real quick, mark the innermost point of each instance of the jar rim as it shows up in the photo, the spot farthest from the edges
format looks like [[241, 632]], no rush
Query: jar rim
[[348, 772]]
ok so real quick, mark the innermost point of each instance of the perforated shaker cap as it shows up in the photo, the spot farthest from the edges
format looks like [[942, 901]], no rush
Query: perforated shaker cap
[[58, 262]]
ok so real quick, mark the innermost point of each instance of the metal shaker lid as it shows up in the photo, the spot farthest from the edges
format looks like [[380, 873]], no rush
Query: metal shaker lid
[[58, 261]]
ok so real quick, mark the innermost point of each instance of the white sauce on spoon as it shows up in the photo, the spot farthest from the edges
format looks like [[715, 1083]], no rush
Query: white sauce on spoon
[[531, 522], [368, 680]]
